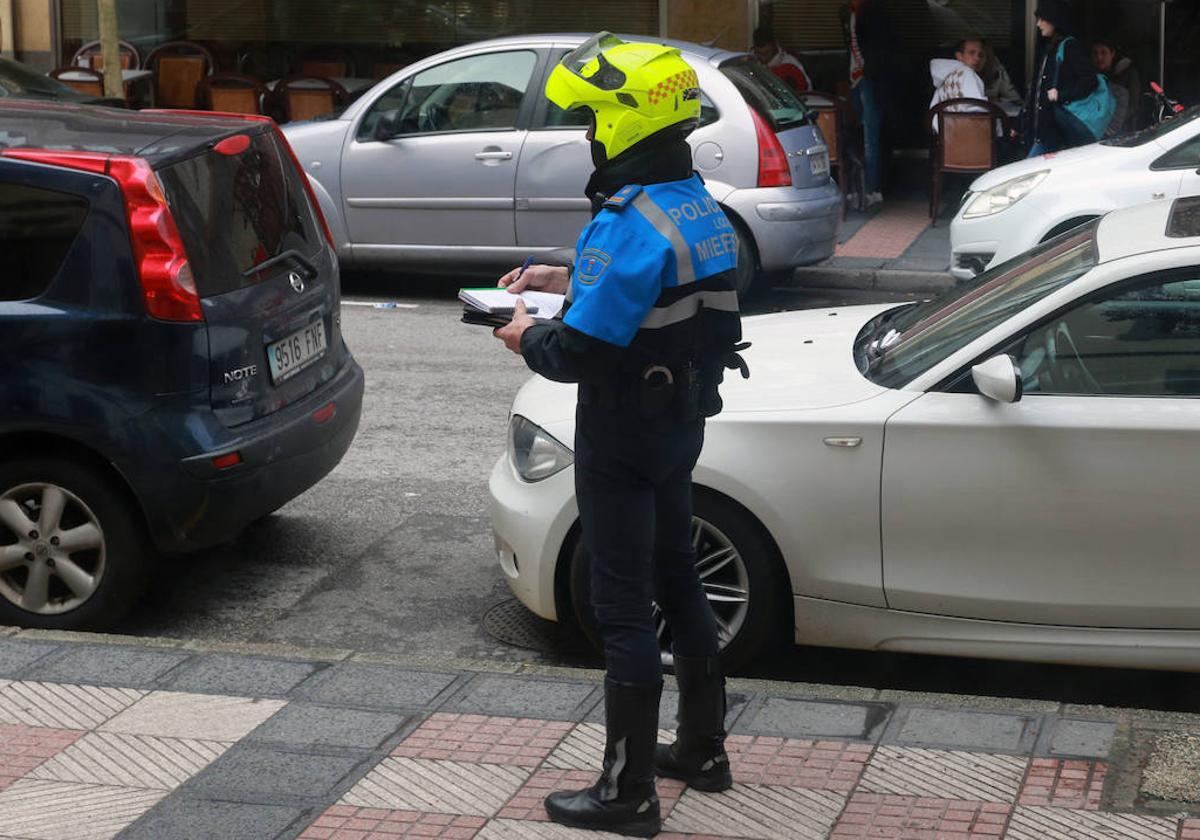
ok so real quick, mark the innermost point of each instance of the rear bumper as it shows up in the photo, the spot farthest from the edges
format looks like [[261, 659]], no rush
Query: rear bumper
[[791, 227], [282, 455]]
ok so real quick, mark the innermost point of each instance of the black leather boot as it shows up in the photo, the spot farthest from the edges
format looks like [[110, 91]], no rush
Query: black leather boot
[[623, 800], [698, 754]]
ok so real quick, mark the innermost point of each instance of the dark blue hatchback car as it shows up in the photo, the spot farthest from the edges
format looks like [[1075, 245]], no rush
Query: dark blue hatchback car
[[170, 313]]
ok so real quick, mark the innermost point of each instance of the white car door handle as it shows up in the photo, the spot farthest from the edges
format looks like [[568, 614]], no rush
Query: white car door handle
[[843, 442], [493, 156]]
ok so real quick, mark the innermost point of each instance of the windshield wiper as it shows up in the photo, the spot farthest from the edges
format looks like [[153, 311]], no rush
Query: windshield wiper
[[290, 255]]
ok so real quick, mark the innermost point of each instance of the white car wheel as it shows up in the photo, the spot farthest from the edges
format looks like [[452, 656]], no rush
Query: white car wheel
[[741, 574]]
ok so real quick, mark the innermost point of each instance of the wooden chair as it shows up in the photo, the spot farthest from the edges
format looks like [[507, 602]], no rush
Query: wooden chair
[[235, 93], [178, 68], [830, 110], [305, 97], [965, 141], [328, 69], [89, 56], [87, 81]]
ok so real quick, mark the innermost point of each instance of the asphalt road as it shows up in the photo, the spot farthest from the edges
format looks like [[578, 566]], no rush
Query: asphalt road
[[392, 552]]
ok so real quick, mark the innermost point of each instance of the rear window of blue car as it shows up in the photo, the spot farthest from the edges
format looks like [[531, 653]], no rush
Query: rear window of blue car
[[236, 210]]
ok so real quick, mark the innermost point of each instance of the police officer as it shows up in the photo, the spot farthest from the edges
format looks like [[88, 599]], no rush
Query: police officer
[[651, 323]]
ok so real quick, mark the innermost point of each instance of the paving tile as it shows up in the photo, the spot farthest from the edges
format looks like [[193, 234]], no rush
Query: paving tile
[[16, 655], [583, 748], [1064, 784], [954, 728], [883, 817], [791, 762], [889, 233], [375, 686], [379, 824], [141, 761], [260, 772], [814, 719], [735, 704], [309, 725], [555, 700], [527, 804], [1190, 830], [523, 742], [947, 774], [757, 811], [23, 748], [1070, 824], [445, 787], [202, 819], [109, 665], [43, 810], [171, 714], [526, 830], [249, 676], [1081, 738], [62, 705]]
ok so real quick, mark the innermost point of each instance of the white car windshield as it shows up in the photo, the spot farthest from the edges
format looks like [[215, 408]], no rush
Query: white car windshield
[[901, 344]]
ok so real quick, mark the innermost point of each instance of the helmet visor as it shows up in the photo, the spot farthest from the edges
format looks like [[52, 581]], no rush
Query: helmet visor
[[605, 77]]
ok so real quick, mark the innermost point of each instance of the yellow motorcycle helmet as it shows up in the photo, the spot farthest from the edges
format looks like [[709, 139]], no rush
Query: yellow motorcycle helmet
[[633, 89]]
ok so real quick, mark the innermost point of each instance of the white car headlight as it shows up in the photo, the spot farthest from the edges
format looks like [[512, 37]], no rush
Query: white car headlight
[[1003, 196], [533, 452]]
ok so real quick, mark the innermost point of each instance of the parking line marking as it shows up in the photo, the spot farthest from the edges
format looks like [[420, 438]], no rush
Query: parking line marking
[[389, 304]]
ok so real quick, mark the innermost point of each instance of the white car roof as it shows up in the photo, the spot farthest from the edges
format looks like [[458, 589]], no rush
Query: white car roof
[[1144, 228]]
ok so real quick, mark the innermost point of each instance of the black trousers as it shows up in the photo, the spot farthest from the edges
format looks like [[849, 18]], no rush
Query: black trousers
[[633, 482]]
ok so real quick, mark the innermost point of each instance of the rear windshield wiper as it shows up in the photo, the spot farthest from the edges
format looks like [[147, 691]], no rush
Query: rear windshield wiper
[[289, 255]]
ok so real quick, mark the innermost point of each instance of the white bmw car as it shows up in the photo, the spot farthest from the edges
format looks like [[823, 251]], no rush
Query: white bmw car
[[1014, 207], [1011, 470]]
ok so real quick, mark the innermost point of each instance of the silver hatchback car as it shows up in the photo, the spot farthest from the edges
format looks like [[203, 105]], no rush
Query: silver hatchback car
[[459, 162]]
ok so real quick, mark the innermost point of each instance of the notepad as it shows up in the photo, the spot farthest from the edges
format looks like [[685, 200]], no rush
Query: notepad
[[494, 306]]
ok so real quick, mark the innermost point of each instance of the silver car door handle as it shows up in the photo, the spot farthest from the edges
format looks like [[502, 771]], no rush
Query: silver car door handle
[[843, 442], [493, 156]]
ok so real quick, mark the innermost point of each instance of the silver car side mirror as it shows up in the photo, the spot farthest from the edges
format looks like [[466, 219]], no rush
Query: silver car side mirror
[[998, 378]]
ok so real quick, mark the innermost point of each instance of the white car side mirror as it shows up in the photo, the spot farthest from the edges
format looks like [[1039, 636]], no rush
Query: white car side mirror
[[998, 378]]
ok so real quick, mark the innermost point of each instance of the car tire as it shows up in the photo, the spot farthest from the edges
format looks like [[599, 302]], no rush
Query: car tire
[[107, 565], [759, 624], [745, 274]]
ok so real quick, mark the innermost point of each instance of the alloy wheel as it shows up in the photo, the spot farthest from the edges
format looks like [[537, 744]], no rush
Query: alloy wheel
[[726, 583], [52, 549]]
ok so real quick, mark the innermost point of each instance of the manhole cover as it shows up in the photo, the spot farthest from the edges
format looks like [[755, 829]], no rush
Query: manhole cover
[[510, 622]]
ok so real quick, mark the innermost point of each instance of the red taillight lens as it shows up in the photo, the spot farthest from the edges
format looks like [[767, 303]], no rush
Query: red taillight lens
[[325, 412], [230, 459], [233, 146], [168, 287], [772, 159]]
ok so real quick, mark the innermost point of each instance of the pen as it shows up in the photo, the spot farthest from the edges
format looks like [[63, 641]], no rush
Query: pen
[[528, 262]]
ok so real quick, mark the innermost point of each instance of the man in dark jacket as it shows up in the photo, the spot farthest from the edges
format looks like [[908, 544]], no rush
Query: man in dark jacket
[[1046, 125], [867, 33]]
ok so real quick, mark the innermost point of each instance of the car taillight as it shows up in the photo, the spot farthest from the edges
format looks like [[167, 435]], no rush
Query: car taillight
[[773, 168], [287, 147], [168, 287]]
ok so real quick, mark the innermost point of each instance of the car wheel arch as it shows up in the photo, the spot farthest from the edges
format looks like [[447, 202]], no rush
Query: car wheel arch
[[20, 443], [1069, 224]]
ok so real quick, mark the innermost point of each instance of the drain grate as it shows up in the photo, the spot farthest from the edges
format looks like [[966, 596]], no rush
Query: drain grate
[[512, 623]]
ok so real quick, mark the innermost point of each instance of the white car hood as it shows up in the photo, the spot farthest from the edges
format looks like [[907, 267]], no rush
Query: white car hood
[[1092, 159], [798, 360]]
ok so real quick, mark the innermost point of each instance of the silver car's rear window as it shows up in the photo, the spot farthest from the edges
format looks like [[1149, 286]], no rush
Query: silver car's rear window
[[766, 93]]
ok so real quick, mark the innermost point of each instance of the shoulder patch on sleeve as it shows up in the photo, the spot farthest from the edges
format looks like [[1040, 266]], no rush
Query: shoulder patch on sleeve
[[592, 263], [623, 196]]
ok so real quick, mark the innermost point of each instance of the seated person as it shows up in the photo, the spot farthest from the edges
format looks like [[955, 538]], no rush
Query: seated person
[[1000, 88], [958, 77], [782, 63], [1124, 82]]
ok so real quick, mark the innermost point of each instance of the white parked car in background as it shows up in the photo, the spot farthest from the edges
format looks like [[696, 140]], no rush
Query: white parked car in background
[[1036, 497], [1014, 207]]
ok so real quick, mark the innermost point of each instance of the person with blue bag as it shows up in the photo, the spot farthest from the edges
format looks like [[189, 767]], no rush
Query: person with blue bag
[[1069, 103]]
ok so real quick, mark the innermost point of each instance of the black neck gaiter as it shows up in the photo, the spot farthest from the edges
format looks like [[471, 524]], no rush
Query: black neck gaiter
[[652, 161]]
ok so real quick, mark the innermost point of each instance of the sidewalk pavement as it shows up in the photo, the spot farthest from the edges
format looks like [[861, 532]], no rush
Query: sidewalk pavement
[[891, 247], [139, 739]]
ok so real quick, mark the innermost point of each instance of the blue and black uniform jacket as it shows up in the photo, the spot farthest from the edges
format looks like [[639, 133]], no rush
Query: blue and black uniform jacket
[[652, 284]]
